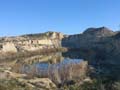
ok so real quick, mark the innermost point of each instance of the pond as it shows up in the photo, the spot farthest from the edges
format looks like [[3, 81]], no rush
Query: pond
[[55, 66]]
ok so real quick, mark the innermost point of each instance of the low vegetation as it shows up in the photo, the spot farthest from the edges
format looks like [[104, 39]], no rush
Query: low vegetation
[[95, 85], [13, 84]]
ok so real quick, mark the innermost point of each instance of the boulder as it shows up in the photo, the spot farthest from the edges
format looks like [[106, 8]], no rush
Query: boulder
[[9, 47], [40, 83]]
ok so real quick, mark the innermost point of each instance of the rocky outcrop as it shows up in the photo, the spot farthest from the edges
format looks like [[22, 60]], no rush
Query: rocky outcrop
[[9, 47], [99, 32], [104, 42], [31, 42], [100, 46], [90, 38], [40, 83], [25, 84], [99, 39]]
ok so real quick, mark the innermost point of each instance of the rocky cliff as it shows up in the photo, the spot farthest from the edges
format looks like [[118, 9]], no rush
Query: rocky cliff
[[99, 47], [91, 37], [101, 40], [31, 42]]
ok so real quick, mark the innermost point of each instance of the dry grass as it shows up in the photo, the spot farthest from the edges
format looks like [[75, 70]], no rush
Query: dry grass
[[66, 73]]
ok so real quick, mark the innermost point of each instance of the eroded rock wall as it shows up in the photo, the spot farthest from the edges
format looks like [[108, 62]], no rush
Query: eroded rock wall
[[31, 42], [9, 47]]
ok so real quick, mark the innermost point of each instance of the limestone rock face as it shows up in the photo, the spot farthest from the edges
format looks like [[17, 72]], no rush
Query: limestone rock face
[[103, 41], [9, 47], [99, 32], [31, 42], [55, 35], [92, 37]]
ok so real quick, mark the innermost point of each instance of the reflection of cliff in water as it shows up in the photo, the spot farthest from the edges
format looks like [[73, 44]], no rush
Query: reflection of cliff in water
[[105, 69], [54, 66]]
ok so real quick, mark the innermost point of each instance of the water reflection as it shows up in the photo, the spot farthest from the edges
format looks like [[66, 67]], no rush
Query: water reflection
[[58, 68], [106, 67], [65, 67]]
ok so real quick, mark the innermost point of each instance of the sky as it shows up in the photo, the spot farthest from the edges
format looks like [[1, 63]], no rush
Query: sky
[[19, 17]]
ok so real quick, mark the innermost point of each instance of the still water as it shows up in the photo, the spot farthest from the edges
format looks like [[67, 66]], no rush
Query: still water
[[55, 66]]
